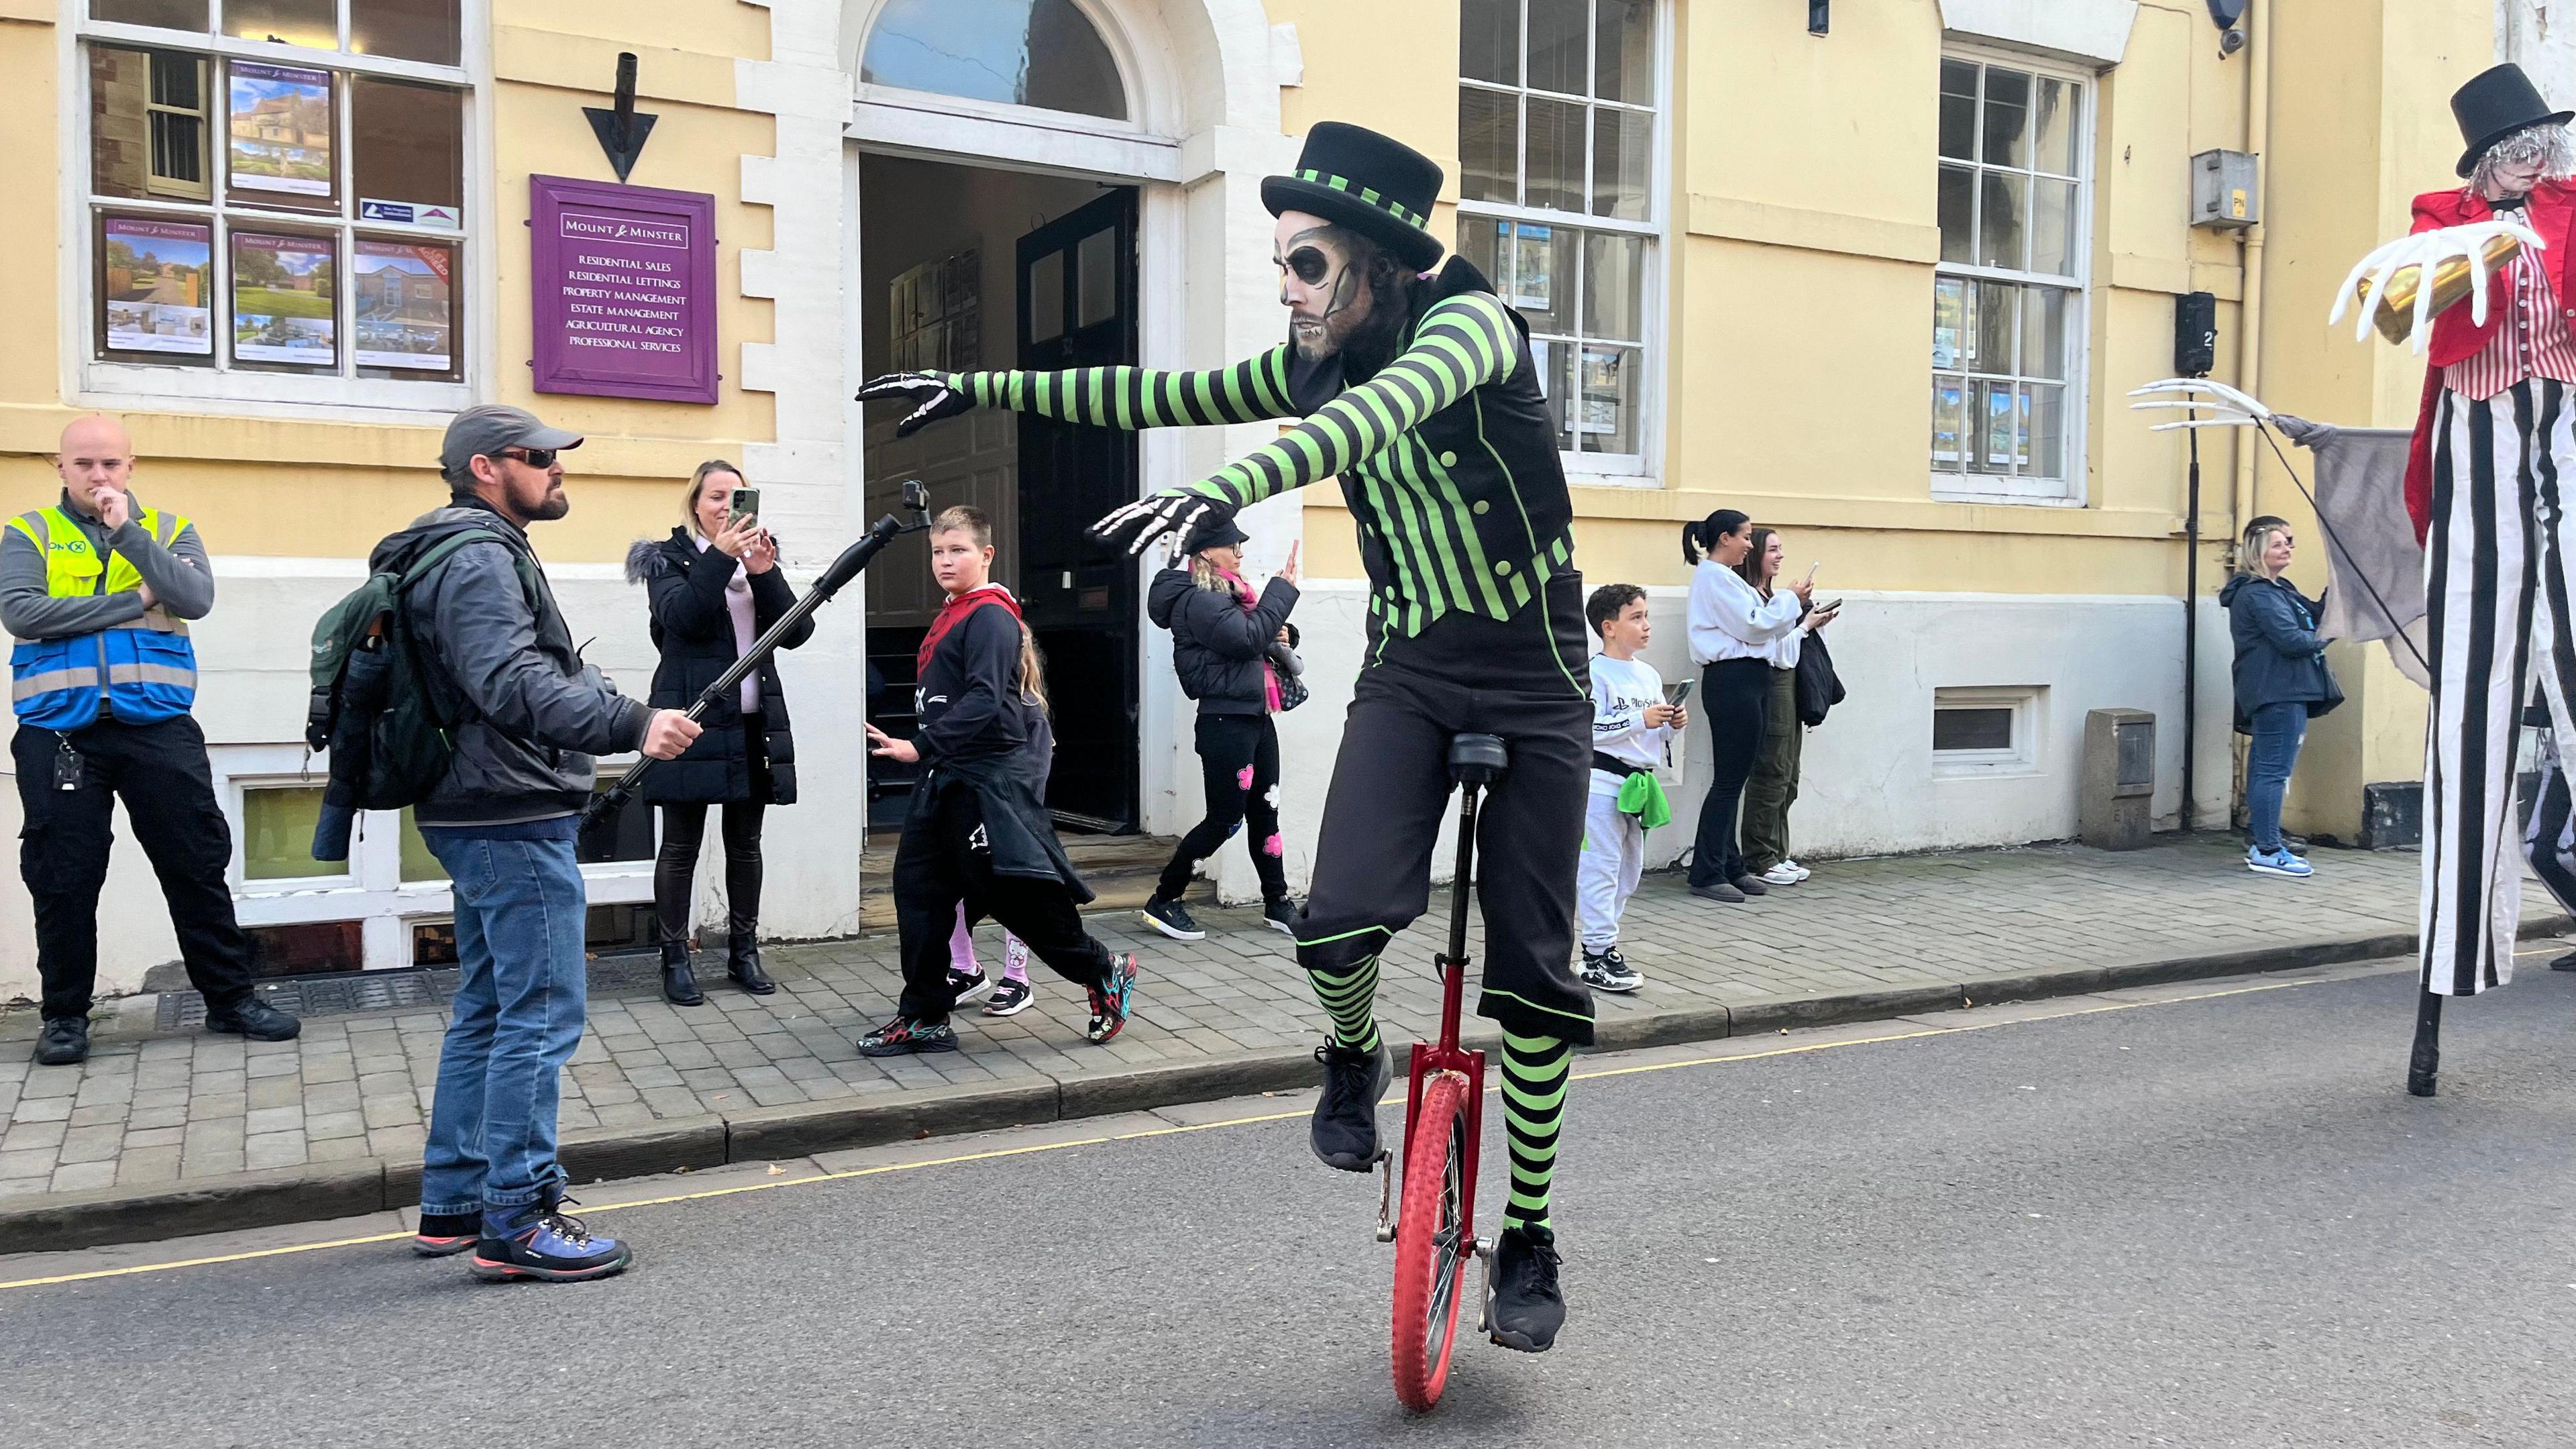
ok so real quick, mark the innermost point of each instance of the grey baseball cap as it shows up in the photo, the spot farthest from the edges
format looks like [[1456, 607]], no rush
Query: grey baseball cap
[[485, 430]]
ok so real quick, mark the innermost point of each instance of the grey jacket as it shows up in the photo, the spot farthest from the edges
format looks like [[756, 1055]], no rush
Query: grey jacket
[[182, 582], [530, 713]]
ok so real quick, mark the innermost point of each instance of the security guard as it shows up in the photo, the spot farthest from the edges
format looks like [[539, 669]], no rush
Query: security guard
[[96, 589]]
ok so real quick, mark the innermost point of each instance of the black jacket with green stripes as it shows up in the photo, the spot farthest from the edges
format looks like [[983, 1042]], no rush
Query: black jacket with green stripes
[[1447, 455]]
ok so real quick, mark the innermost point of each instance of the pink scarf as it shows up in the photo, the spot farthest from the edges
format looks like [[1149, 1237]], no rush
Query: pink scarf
[[1269, 672]]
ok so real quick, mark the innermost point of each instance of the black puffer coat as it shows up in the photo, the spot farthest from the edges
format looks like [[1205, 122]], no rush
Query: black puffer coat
[[694, 630], [1217, 644]]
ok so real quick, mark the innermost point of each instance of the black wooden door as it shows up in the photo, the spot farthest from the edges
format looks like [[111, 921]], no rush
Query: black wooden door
[[1077, 308]]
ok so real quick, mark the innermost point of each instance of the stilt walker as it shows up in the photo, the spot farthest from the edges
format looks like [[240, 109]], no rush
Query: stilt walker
[[2483, 486], [1418, 389]]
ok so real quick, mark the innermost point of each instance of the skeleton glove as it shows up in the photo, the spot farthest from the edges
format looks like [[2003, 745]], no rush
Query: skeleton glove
[[929, 392]]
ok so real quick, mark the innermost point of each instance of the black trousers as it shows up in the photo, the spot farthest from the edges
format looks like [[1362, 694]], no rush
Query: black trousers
[[1735, 695], [684, 828], [942, 863], [1524, 679], [160, 771], [1239, 768]]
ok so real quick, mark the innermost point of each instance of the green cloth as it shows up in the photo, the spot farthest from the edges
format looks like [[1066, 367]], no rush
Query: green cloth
[[1643, 797]]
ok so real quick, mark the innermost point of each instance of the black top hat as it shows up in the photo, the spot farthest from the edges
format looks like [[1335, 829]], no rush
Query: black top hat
[[2496, 104], [1215, 533], [1375, 185]]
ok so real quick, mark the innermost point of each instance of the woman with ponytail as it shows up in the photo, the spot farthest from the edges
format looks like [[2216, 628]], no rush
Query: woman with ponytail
[[1733, 633]]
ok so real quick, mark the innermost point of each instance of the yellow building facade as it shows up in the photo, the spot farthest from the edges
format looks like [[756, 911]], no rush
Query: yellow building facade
[[1883, 286]]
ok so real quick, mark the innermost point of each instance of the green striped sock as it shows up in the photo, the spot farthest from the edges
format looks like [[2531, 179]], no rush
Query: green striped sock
[[1348, 999], [1535, 1071]]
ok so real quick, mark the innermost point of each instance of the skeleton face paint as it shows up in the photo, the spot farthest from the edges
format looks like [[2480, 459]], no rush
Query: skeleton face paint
[[1321, 285]]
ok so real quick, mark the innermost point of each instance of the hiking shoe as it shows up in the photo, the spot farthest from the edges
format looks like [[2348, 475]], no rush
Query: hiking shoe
[[253, 1018], [1751, 885], [1783, 874], [1011, 997], [1608, 971], [1173, 919], [1718, 890], [1109, 999], [1282, 916], [2278, 862], [65, 1042], [1528, 1307], [543, 1242], [1344, 1131], [443, 1234], [966, 986], [904, 1036]]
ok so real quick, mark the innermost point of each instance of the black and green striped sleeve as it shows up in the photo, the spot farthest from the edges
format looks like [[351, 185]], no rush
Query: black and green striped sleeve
[[1253, 390], [1463, 342]]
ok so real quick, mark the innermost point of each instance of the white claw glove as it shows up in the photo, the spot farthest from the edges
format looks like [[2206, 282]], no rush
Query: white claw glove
[[1157, 515], [2225, 406], [2428, 250], [929, 392]]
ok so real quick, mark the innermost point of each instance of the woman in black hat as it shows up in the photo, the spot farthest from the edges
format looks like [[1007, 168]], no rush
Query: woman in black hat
[[1418, 389], [2491, 444], [1223, 638]]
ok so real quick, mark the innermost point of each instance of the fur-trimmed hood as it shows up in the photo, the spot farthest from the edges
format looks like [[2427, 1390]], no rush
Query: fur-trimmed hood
[[649, 557]]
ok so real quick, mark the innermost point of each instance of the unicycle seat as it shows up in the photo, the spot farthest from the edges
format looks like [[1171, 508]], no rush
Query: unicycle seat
[[1478, 759]]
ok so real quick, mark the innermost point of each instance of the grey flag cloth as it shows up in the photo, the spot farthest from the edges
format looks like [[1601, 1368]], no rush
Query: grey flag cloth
[[2374, 566]]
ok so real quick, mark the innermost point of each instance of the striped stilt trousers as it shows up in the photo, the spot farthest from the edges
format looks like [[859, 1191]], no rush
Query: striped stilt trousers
[[2496, 577]]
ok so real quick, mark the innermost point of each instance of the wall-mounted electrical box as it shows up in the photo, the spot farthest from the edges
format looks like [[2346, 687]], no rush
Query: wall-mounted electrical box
[[2222, 190]]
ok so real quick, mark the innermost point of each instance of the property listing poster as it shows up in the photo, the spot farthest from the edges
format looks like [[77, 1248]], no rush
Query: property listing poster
[[402, 304], [158, 285], [282, 308], [280, 125]]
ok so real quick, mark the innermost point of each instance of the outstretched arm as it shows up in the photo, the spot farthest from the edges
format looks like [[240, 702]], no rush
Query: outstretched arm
[[1251, 391]]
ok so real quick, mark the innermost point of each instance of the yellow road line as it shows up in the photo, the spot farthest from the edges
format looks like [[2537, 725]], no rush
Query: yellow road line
[[994, 1154]]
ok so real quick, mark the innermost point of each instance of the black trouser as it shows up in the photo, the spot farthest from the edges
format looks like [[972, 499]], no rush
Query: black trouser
[[684, 828], [1522, 679], [159, 770], [941, 863], [1735, 695], [1238, 767]]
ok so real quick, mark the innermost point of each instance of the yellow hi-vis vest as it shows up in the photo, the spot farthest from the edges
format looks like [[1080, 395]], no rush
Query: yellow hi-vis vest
[[140, 672]]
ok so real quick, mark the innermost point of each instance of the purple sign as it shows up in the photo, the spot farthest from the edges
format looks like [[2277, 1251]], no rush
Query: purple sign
[[625, 290]]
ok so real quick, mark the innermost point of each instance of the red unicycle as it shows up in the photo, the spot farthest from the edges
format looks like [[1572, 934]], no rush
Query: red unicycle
[[1433, 1226]]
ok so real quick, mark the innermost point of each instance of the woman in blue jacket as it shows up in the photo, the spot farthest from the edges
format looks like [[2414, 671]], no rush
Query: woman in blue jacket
[[2281, 683]]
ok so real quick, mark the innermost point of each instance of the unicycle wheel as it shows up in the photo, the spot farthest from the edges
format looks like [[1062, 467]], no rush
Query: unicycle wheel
[[1431, 1242]]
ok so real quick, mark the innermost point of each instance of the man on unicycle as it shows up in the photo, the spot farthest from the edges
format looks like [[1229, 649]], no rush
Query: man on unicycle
[[1417, 388]]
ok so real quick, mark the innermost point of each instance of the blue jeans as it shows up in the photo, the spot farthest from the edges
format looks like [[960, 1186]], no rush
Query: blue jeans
[[519, 1012], [2278, 729]]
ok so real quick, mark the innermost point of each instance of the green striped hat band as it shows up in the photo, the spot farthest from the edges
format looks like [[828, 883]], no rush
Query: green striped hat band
[[1387, 204]]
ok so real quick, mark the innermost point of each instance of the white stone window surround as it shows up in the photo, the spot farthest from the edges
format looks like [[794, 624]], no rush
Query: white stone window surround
[[89, 381]]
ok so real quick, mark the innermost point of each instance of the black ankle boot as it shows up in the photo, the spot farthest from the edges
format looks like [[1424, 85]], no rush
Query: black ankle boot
[[679, 983], [742, 959]]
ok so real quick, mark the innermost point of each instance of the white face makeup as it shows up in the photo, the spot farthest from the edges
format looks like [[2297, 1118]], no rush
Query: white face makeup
[[1326, 296]]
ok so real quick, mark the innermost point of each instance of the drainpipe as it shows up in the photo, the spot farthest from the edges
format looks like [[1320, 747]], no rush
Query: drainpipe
[[2249, 312]]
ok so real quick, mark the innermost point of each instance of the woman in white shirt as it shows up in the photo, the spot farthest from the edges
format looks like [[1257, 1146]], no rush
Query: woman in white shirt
[[1734, 634], [1773, 785]]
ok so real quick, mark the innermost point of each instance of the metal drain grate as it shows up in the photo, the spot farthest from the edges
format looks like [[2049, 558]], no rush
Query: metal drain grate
[[324, 996]]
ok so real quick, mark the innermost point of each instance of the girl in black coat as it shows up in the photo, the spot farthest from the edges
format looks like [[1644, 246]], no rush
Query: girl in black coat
[[715, 587], [1223, 643]]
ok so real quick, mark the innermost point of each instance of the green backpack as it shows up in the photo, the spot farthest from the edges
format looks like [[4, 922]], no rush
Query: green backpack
[[372, 706]]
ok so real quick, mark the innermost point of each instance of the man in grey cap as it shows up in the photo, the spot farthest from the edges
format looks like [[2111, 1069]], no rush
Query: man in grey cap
[[530, 715]]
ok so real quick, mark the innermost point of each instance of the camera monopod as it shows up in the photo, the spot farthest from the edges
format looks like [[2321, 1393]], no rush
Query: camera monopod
[[853, 561]]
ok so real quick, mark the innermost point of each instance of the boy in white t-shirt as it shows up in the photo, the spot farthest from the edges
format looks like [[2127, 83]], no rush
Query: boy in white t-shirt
[[1630, 725]]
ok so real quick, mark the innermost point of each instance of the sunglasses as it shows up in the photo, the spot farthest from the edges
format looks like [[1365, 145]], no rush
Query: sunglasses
[[533, 457], [1309, 265]]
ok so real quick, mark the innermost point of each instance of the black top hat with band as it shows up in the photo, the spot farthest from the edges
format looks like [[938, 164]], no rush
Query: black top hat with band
[[2496, 104], [1375, 185]]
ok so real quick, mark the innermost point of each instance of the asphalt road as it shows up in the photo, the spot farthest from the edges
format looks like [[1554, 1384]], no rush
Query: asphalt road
[[2206, 1223]]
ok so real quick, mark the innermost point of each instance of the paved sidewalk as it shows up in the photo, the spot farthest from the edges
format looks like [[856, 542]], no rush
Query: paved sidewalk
[[731, 1080]]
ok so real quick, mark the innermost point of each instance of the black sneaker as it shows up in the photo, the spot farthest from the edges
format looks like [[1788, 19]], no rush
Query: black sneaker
[[253, 1018], [1718, 890], [1606, 971], [1010, 998], [1344, 1132], [1109, 1000], [543, 1242], [1528, 1306], [443, 1234], [1173, 919], [966, 986], [1282, 916], [1751, 885], [65, 1042], [903, 1036]]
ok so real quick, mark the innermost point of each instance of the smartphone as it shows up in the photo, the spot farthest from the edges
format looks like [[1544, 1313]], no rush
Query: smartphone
[[1829, 608], [745, 503], [1678, 695]]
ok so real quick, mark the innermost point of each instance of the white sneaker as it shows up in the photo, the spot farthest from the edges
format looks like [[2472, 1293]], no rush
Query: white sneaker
[[1785, 873], [1802, 871]]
